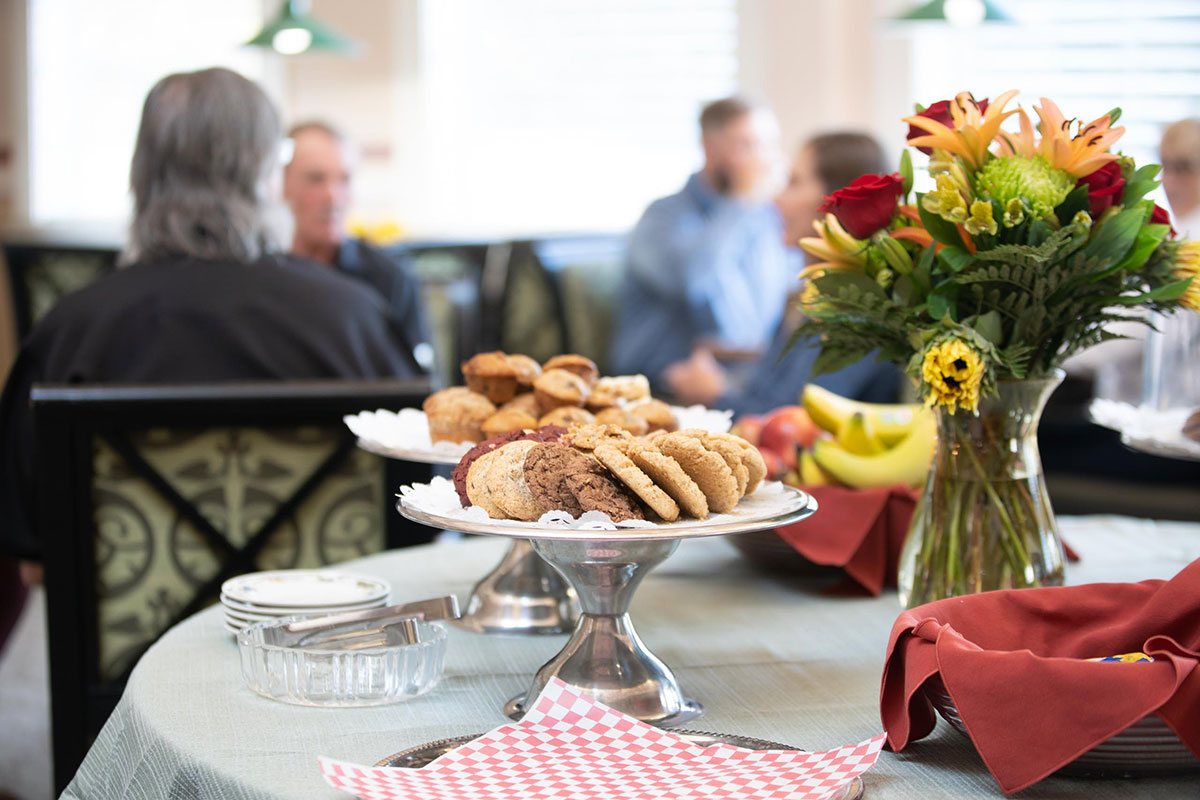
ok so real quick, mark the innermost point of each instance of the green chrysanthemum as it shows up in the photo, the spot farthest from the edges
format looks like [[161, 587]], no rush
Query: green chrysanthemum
[[1034, 179]]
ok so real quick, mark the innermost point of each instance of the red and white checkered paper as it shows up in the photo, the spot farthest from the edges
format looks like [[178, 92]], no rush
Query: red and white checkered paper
[[570, 746]]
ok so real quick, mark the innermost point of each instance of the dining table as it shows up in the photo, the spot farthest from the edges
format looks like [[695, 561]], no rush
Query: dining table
[[769, 654]]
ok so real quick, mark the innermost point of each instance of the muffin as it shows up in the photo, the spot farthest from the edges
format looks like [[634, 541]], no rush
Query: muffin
[[1191, 427], [567, 416], [582, 366], [622, 418], [457, 415], [527, 370], [558, 387], [523, 402], [505, 420], [627, 388], [657, 414], [492, 375]]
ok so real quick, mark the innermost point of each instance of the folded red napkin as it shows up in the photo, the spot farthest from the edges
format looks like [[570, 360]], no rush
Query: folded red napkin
[[1014, 663], [570, 745], [860, 530]]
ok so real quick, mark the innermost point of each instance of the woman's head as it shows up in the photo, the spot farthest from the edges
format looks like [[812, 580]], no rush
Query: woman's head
[[824, 164], [206, 148]]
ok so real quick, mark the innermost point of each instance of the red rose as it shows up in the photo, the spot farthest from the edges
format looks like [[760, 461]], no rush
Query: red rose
[[1106, 187], [939, 111], [867, 204], [1159, 216]]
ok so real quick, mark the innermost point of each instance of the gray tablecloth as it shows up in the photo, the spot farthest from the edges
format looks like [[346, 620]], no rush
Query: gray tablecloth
[[768, 656]]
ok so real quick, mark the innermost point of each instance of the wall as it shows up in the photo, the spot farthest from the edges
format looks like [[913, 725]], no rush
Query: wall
[[12, 151]]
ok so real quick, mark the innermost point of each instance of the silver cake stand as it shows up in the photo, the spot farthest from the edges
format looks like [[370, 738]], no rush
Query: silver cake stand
[[605, 657], [523, 594]]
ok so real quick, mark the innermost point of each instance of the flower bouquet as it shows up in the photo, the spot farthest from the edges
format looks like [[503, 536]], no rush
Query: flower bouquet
[[1029, 245]]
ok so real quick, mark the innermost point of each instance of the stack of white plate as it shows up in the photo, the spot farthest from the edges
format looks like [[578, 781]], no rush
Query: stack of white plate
[[261, 596]]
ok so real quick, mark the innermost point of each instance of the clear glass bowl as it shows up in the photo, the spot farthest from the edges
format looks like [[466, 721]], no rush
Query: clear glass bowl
[[341, 678]]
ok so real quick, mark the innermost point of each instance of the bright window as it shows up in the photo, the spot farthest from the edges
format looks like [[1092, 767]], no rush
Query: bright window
[[545, 115], [1085, 56], [90, 67]]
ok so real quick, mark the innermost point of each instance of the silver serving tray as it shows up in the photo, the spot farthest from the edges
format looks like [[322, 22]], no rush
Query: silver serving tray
[[793, 505], [422, 755], [1146, 748]]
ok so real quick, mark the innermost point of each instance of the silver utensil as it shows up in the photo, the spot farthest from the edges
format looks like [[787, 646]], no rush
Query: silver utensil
[[357, 630]]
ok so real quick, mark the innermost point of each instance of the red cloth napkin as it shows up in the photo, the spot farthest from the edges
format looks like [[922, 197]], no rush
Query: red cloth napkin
[[859, 530], [1013, 663]]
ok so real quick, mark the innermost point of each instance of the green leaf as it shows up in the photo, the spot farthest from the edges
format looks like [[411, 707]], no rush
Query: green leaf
[[903, 290], [1148, 239], [942, 300], [833, 283], [955, 259], [906, 171], [941, 230], [1039, 232], [1116, 235], [1166, 292], [833, 358], [989, 326], [1075, 202], [1140, 183]]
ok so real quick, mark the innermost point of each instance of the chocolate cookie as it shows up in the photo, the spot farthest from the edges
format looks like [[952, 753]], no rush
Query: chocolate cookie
[[546, 469], [706, 468], [596, 490]]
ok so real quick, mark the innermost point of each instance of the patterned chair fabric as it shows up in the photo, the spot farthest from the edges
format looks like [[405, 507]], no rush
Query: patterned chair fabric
[[149, 498], [41, 275], [151, 560]]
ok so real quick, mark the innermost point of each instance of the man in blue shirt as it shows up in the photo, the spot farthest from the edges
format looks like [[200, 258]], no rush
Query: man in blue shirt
[[707, 268]]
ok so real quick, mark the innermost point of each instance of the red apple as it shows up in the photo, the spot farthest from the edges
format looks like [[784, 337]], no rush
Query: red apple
[[748, 427], [775, 465], [789, 426]]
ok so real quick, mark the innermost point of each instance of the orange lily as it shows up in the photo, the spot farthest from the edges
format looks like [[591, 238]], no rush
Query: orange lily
[[973, 130], [918, 236], [1081, 154], [1019, 144], [840, 250]]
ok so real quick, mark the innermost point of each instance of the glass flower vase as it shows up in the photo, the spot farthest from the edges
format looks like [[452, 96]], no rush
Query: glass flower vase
[[984, 520]]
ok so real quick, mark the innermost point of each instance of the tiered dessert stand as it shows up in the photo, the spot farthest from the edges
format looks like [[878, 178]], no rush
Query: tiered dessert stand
[[605, 657]]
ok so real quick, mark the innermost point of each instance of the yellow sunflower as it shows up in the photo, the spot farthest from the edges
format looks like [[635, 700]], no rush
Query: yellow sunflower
[[1187, 265], [953, 371]]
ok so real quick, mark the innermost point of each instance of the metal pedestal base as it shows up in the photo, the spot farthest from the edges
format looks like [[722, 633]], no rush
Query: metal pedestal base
[[523, 594], [604, 657]]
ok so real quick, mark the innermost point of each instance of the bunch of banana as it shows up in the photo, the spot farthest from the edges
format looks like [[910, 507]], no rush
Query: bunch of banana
[[871, 445]]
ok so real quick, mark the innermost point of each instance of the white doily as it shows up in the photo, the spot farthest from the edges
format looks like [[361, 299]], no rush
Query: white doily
[[1159, 432]]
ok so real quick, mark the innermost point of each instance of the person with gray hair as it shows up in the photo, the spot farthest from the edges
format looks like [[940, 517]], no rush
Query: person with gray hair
[[202, 297]]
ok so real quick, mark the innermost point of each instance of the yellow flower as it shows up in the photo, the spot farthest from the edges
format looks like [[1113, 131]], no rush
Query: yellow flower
[[973, 131], [837, 249], [1187, 265], [809, 295], [946, 200], [953, 371], [1078, 155], [981, 220]]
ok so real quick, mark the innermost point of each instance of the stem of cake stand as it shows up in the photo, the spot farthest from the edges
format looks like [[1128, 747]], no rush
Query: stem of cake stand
[[523, 594], [604, 656]]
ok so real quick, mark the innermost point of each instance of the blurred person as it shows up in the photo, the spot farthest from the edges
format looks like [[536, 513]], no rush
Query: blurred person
[[823, 165], [201, 299], [706, 267], [318, 184], [1180, 156]]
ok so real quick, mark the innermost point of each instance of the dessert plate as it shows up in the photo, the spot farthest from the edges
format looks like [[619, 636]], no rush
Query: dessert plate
[[303, 588], [437, 504], [404, 434]]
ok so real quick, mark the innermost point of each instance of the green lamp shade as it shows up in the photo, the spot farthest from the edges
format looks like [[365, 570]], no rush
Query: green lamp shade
[[962, 12], [293, 32]]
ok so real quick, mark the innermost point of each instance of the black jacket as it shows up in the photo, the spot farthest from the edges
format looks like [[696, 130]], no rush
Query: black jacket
[[191, 321]]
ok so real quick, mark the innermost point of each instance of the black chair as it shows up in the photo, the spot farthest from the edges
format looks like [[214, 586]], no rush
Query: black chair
[[40, 274], [149, 498]]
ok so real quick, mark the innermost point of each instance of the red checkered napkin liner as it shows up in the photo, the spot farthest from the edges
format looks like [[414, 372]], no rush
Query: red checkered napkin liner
[[568, 746]]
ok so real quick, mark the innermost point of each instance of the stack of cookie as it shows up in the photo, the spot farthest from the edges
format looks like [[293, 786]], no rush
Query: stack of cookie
[[664, 476], [507, 393]]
